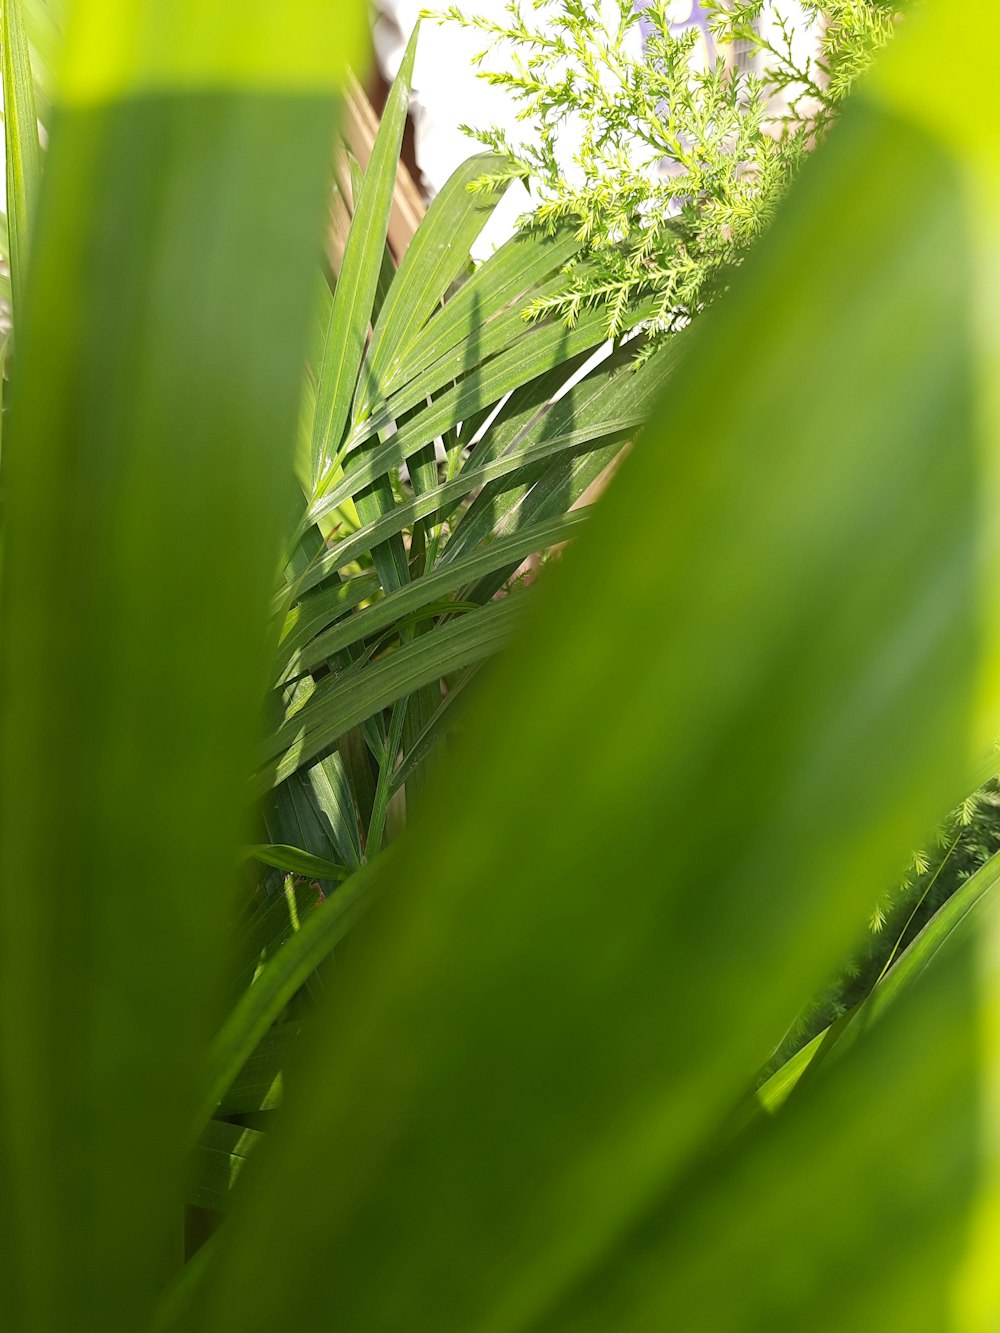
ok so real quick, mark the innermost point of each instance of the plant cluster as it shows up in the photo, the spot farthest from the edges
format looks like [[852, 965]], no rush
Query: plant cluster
[[667, 150], [526, 1102], [678, 163]]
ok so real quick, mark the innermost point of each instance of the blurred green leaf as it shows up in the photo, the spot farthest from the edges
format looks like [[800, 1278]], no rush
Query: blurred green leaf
[[147, 484], [257, 1087], [353, 299], [848, 1211]]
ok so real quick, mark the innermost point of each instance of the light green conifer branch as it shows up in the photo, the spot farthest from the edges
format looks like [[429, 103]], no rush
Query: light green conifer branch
[[675, 168]]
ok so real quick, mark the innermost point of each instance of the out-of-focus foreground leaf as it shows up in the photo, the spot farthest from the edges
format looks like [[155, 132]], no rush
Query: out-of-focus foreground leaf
[[848, 1211], [954, 105], [147, 474], [571, 990]]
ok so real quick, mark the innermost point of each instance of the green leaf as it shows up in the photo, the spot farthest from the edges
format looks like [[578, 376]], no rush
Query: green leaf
[[285, 972], [383, 788], [432, 588], [313, 613], [849, 1210], [118, 49], [317, 809], [389, 557], [21, 142], [387, 267], [257, 1087], [297, 862], [341, 702], [269, 921], [435, 257], [435, 731], [359, 275], [610, 401]]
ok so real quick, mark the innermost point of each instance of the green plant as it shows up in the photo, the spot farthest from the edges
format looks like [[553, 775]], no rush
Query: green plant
[[668, 167], [525, 1096], [441, 451], [441, 444]]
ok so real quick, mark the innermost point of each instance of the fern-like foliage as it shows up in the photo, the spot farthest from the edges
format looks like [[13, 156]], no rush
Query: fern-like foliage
[[667, 148]]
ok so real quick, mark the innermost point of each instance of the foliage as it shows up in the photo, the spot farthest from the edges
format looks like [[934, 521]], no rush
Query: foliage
[[522, 1097], [442, 452], [668, 165], [440, 447], [965, 842], [677, 168], [853, 32]]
